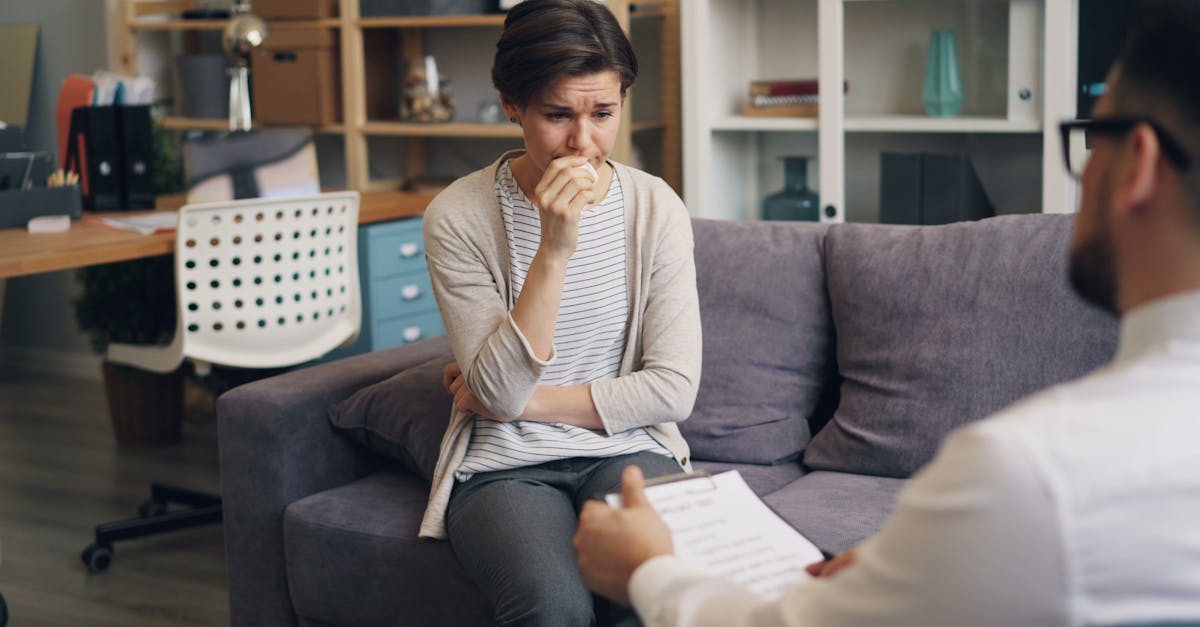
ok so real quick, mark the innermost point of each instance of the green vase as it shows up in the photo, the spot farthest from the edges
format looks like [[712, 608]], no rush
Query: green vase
[[795, 201], [943, 84]]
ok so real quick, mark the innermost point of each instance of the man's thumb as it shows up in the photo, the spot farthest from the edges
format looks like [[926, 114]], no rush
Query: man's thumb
[[633, 488]]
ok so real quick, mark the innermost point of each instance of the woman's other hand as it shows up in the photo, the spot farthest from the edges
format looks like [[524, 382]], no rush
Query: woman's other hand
[[564, 191], [464, 400]]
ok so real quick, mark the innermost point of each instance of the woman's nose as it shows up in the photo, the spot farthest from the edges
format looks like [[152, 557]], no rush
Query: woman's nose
[[581, 134]]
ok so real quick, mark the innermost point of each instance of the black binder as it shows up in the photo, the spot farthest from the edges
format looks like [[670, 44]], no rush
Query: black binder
[[930, 188], [112, 148]]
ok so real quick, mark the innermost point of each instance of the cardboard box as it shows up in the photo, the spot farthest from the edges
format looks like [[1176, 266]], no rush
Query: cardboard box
[[297, 77], [295, 9]]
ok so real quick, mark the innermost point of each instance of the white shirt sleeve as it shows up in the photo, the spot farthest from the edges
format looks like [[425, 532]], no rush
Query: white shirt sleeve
[[974, 540]]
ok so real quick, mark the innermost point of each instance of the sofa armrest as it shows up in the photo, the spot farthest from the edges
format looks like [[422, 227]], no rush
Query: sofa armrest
[[277, 446]]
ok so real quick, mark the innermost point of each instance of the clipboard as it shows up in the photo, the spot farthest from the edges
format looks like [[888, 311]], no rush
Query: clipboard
[[721, 527]]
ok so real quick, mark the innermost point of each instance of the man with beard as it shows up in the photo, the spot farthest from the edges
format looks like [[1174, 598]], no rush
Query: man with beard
[[1077, 506]]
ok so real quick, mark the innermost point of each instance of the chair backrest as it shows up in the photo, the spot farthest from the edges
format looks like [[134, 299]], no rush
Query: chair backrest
[[268, 282]]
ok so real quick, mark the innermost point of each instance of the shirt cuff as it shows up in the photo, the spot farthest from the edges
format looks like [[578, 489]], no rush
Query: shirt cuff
[[650, 581], [529, 349]]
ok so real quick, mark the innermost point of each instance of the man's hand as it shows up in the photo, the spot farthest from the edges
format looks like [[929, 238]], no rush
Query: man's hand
[[612, 543], [455, 384], [829, 568]]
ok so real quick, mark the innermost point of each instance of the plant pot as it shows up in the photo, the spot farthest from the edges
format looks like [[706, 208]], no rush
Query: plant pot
[[145, 407]]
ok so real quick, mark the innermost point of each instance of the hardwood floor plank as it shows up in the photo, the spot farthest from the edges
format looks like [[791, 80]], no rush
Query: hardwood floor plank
[[61, 473]]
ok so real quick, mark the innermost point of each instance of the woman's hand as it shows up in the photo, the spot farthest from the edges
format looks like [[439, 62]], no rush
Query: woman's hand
[[564, 191], [455, 384]]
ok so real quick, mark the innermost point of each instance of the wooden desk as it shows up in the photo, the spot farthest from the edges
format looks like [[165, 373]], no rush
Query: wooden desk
[[22, 253]]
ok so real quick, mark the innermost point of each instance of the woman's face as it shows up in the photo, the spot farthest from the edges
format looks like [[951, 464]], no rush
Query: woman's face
[[577, 116]]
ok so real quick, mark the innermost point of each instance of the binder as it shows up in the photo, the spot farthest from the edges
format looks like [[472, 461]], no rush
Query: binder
[[112, 148], [930, 188]]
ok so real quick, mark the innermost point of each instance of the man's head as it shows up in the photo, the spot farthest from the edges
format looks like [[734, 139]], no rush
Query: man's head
[[1137, 235]]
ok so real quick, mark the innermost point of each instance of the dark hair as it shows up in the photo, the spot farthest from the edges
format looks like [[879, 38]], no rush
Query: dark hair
[[1156, 69], [548, 40]]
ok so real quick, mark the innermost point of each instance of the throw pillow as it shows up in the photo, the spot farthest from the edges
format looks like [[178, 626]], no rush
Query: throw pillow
[[403, 417], [767, 354], [939, 326]]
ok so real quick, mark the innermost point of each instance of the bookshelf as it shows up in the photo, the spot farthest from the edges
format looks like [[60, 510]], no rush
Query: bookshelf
[[370, 49], [1017, 62]]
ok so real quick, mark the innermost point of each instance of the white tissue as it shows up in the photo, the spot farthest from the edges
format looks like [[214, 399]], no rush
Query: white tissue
[[591, 171]]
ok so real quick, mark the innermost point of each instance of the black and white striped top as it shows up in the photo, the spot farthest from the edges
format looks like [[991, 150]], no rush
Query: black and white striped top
[[589, 337]]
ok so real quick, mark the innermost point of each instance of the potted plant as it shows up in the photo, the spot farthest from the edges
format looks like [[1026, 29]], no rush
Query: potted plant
[[133, 302]]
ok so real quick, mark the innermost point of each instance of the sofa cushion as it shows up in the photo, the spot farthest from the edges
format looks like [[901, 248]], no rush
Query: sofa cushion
[[837, 511], [403, 417], [767, 352], [352, 555], [939, 326]]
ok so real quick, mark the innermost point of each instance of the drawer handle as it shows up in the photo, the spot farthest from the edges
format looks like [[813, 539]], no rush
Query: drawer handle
[[409, 249], [412, 334], [410, 292]]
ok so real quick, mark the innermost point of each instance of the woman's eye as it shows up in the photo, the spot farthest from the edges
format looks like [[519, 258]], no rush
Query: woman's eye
[[604, 115], [557, 116]]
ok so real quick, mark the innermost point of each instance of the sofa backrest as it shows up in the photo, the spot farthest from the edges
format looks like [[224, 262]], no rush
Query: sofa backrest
[[921, 329], [767, 339]]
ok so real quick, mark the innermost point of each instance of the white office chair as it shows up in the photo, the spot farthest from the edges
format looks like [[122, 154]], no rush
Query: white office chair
[[260, 283]]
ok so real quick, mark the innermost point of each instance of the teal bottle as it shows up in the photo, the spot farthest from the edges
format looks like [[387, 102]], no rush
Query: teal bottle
[[795, 201], [943, 94]]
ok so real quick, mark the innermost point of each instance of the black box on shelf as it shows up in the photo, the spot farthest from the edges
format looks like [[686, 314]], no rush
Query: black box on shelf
[[112, 149], [19, 206], [389, 8], [930, 188]]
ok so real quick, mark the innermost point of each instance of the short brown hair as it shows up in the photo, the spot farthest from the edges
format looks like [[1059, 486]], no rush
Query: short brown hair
[[545, 41]]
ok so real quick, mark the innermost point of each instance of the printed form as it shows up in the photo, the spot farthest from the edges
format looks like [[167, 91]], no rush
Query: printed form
[[720, 525]]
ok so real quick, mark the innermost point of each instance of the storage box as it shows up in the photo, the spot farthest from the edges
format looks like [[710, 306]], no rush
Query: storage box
[[295, 9], [383, 8], [297, 77], [18, 207]]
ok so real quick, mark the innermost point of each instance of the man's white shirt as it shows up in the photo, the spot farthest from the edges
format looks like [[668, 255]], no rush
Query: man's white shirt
[[1077, 506]]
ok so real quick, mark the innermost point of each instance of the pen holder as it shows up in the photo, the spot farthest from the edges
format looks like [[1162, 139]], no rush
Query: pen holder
[[18, 206]]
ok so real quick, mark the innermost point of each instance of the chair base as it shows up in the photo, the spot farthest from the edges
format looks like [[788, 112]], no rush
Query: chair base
[[154, 518]]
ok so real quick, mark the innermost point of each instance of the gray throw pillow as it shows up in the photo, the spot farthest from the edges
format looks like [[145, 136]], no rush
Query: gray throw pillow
[[767, 353], [403, 417], [939, 326]]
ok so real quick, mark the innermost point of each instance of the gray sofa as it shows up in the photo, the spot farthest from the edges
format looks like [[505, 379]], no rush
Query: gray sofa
[[835, 361]]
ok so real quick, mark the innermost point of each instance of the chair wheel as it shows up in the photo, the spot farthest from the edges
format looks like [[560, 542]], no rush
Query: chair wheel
[[97, 558], [152, 508]]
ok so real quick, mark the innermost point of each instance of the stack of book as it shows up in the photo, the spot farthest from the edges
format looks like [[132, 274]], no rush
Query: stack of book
[[782, 98]]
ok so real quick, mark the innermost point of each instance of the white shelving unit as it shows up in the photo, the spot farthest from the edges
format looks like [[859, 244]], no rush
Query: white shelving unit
[[1017, 63]]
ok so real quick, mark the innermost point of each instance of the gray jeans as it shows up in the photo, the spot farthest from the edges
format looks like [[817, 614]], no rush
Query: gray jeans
[[511, 531]]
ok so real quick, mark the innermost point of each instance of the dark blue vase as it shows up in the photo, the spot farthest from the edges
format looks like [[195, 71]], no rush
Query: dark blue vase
[[795, 201]]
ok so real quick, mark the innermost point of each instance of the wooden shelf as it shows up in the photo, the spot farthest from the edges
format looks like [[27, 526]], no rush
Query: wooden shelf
[[925, 124], [186, 25], [448, 129], [432, 21], [222, 124]]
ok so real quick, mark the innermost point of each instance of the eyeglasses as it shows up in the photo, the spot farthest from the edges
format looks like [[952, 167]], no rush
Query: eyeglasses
[[1077, 140]]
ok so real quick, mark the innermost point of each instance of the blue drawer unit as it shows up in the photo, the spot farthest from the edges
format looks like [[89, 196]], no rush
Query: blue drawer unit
[[397, 299]]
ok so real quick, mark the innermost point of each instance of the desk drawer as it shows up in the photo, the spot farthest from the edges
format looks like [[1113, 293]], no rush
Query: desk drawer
[[406, 329], [401, 295], [395, 248]]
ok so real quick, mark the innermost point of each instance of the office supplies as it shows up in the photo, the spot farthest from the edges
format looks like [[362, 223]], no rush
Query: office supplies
[[49, 224], [111, 147]]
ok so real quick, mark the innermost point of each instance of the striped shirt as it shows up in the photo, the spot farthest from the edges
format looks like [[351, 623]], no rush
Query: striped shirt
[[589, 337]]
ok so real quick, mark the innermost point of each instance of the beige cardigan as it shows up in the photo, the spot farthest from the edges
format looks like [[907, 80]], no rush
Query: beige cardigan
[[467, 252]]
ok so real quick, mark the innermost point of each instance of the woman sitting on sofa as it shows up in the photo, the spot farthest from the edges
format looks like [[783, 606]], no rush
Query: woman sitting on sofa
[[567, 286]]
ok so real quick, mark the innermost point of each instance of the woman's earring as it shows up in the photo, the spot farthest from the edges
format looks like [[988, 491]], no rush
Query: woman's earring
[[512, 119]]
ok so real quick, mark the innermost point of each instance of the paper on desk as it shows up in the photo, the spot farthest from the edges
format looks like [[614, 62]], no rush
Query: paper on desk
[[720, 525], [146, 224]]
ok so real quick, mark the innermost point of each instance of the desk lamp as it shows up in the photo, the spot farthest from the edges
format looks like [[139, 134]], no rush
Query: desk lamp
[[244, 33]]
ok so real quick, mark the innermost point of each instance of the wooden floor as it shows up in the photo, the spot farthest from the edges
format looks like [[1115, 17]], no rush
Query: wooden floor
[[61, 473]]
